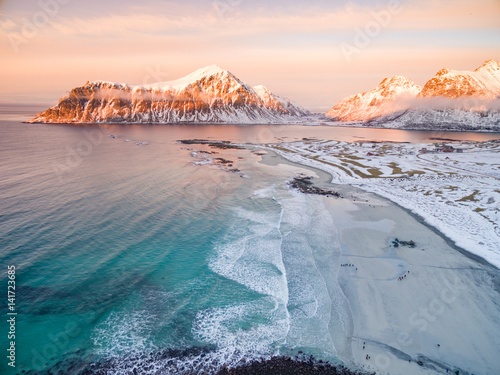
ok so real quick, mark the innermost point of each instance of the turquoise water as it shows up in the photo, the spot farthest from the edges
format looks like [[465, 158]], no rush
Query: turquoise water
[[125, 250], [129, 255]]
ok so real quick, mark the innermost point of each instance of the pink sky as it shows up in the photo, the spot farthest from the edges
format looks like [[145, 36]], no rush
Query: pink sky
[[311, 52]]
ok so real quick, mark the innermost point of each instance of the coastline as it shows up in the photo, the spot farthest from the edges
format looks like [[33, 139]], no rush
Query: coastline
[[324, 178], [433, 222], [355, 214], [437, 263], [306, 122]]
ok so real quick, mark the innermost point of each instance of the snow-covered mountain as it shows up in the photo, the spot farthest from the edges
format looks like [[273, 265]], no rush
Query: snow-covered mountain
[[484, 82], [459, 100], [380, 101], [210, 94]]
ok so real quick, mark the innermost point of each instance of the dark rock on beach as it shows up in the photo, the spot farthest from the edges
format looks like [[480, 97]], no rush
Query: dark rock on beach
[[396, 243], [289, 366], [223, 145], [224, 161], [305, 185], [193, 361]]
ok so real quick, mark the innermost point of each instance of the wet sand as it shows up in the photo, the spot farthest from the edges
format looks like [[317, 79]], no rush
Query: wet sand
[[418, 310]]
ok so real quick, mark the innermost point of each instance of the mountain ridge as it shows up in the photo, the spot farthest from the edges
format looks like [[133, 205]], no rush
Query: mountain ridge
[[459, 99], [447, 96], [484, 81], [209, 94]]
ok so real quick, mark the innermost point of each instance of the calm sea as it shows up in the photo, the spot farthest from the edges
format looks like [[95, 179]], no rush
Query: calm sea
[[131, 251]]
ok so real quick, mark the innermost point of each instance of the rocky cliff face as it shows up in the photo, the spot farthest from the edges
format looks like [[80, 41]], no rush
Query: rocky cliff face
[[447, 97], [210, 94], [375, 103]]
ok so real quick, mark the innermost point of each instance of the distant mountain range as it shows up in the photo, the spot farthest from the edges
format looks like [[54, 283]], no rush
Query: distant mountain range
[[451, 100], [458, 100], [210, 94]]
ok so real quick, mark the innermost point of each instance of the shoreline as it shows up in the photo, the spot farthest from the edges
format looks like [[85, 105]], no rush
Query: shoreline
[[326, 182], [382, 306], [448, 240], [321, 122]]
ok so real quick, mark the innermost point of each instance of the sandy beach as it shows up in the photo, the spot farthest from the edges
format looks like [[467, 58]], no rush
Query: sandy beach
[[432, 308]]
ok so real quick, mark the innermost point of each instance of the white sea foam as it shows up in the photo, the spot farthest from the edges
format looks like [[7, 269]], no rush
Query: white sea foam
[[318, 309], [246, 328], [267, 192], [291, 257], [120, 334], [250, 254], [247, 331], [282, 245]]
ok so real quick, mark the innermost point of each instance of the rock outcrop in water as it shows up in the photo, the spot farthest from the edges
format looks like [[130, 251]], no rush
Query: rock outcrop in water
[[210, 94]]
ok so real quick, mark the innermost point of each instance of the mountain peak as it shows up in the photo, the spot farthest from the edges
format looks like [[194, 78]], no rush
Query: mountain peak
[[397, 83], [395, 86], [482, 82], [208, 71], [489, 65], [443, 72], [376, 102], [397, 79]]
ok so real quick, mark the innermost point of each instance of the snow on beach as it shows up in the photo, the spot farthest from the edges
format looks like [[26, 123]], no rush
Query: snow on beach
[[453, 187]]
